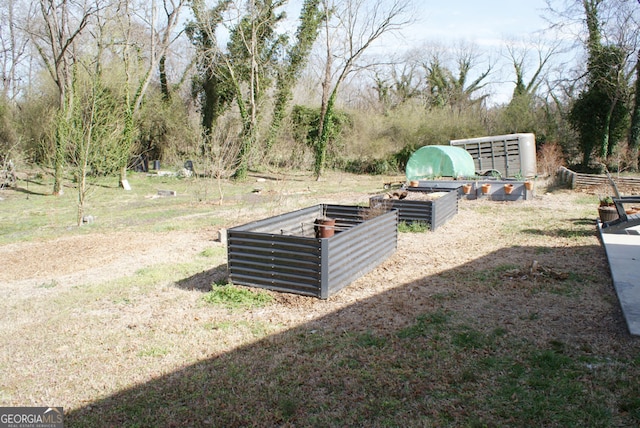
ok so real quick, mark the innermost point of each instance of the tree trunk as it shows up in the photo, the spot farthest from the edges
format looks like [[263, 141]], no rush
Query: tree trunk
[[634, 131], [321, 144], [164, 86], [323, 137], [310, 19], [59, 152], [606, 128]]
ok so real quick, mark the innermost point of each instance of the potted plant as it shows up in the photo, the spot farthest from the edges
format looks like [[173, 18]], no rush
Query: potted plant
[[607, 209]]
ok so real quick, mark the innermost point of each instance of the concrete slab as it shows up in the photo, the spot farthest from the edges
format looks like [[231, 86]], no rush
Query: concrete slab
[[623, 253]]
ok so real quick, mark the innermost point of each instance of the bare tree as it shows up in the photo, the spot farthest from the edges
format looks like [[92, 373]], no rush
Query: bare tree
[[223, 145], [13, 47], [96, 126], [397, 81], [520, 113], [64, 21], [351, 27], [138, 75], [448, 78]]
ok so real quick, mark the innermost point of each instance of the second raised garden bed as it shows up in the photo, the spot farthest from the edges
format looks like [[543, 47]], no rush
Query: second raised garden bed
[[431, 205]]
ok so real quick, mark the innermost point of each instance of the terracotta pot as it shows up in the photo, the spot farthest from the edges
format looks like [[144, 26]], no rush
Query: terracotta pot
[[466, 188], [486, 188], [325, 227], [528, 185], [508, 188], [414, 183]]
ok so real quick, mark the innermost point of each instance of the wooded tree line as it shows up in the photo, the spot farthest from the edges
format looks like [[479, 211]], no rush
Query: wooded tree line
[[94, 86]]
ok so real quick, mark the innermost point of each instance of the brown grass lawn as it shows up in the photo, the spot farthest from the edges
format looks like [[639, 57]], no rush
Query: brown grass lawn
[[505, 316]]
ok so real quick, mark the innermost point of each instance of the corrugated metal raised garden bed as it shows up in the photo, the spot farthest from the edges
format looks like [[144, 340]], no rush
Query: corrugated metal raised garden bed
[[282, 253], [431, 205], [497, 191]]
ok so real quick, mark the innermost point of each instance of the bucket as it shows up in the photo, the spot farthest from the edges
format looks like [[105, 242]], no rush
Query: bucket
[[325, 227]]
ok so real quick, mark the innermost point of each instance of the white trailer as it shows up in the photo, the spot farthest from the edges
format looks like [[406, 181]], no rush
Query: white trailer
[[510, 155]]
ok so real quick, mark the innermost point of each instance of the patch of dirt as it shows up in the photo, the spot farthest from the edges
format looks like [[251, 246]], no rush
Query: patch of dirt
[[94, 258]]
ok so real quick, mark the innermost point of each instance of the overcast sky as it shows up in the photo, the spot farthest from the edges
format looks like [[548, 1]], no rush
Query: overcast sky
[[487, 25]]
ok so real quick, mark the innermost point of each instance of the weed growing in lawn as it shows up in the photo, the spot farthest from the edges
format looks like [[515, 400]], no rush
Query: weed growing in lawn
[[425, 324], [51, 284], [211, 252], [153, 351], [234, 297], [369, 339], [256, 329]]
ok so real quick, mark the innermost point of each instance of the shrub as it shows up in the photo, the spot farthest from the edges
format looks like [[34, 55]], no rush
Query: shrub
[[550, 159], [373, 167]]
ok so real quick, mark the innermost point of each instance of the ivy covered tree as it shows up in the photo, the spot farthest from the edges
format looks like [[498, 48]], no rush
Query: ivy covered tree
[[243, 70], [56, 40], [310, 19], [211, 84], [600, 113]]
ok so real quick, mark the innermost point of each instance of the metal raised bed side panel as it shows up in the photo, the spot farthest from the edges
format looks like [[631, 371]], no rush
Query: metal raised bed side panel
[[276, 262], [345, 214], [444, 208], [279, 253], [357, 251]]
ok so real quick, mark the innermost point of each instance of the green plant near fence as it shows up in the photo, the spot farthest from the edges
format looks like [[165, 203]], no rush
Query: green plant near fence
[[413, 227]]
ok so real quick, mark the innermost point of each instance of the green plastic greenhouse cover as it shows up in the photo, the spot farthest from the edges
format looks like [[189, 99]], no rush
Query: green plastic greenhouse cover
[[440, 161]]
